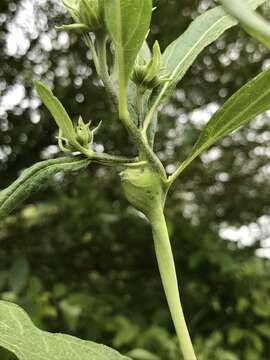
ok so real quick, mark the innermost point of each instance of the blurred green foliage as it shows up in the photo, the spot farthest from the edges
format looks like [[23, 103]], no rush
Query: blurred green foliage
[[77, 258]]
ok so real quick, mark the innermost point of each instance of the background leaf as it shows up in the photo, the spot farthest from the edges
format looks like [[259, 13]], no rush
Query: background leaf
[[248, 102], [180, 54], [21, 337], [128, 22], [33, 179]]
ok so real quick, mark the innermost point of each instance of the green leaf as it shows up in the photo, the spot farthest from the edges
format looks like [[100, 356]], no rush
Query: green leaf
[[58, 112], [128, 22], [33, 179], [248, 102], [180, 54], [251, 21], [258, 36], [19, 335]]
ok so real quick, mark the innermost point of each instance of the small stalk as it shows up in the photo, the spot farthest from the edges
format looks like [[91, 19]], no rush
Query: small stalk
[[169, 280]]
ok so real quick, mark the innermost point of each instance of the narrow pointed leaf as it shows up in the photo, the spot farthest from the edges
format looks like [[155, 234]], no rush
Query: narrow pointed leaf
[[248, 102], [258, 36], [58, 112], [251, 21], [128, 22], [34, 179], [180, 54], [19, 335]]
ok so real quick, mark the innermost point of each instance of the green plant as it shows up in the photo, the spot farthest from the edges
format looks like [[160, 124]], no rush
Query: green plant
[[137, 83]]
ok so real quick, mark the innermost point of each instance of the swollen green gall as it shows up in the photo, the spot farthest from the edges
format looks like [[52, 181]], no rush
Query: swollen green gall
[[87, 14], [143, 189], [146, 75]]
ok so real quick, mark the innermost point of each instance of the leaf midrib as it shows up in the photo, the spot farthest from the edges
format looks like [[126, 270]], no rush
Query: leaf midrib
[[121, 70], [240, 113]]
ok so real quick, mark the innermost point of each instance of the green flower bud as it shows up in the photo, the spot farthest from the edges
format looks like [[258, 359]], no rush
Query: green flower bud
[[84, 134], [147, 75], [84, 137], [143, 189], [87, 14], [91, 13]]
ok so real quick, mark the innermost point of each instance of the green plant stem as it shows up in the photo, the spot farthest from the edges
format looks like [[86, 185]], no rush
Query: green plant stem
[[113, 160], [169, 280], [108, 159], [145, 152], [150, 115], [101, 41]]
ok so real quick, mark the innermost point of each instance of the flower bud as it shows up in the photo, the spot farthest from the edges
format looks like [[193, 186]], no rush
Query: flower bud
[[91, 13], [87, 14], [147, 75], [143, 189], [84, 134]]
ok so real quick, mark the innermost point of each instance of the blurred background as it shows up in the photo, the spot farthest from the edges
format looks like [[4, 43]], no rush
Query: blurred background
[[76, 257]]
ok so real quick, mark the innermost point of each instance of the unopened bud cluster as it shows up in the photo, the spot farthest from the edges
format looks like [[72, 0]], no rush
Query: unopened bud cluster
[[84, 136], [143, 189], [87, 14], [146, 75]]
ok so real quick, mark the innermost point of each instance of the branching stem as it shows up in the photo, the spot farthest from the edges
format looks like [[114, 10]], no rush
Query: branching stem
[[108, 159], [145, 152]]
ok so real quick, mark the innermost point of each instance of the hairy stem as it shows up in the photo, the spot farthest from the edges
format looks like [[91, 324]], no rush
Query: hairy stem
[[101, 40], [113, 160], [169, 280], [107, 159]]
